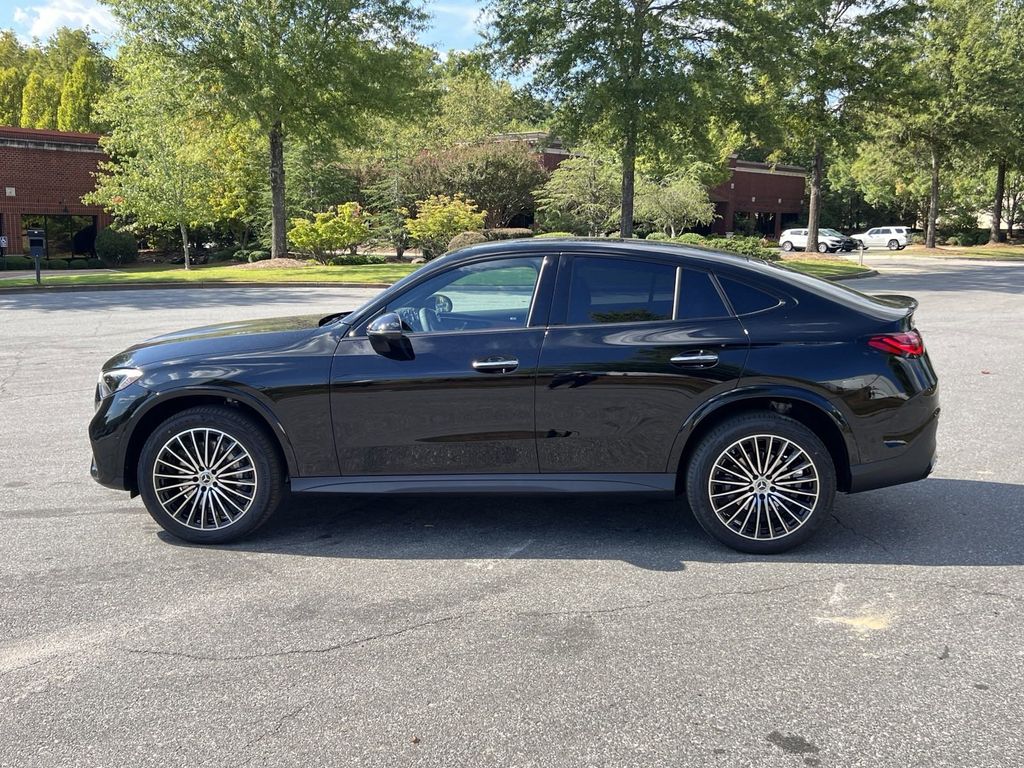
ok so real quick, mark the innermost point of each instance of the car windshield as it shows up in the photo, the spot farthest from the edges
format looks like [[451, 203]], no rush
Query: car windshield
[[831, 232]]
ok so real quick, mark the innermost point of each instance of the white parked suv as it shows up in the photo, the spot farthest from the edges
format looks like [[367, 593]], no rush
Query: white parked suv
[[829, 240], [893, 238]]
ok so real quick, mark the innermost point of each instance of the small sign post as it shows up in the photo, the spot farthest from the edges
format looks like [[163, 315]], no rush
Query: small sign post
[[3, 249]]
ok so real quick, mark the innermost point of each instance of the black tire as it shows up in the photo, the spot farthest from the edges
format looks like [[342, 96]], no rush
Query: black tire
[[787, 246], [724, 438], [894, 245], [258, 451], [823, 248]]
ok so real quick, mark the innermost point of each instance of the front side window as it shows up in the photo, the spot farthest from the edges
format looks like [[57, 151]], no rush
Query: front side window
[[490, 295], [620, 291], [885, 232]]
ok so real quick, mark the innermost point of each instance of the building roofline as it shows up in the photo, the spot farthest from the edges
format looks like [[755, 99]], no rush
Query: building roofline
[[47, 135]]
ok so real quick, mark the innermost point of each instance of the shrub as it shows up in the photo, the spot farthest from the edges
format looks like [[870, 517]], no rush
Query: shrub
[[439, 218], [689, 238], [227, 254], [252, 255], [115, 248], [556, 234], [917, 239], [507, 233], [746, 246], [78, 264], [657, 237], [19, 262], [337, 229], [54, 264], [954, 240], [93, 264], [466, 239], [357, 259]]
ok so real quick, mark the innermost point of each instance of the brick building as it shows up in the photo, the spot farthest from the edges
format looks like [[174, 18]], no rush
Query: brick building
[[759, 198], [43, 175]]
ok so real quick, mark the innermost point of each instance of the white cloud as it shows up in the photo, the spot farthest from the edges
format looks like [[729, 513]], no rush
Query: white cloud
[[42, 19]]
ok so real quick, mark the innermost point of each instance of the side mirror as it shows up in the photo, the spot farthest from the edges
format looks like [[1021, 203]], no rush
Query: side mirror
[[387, 336]]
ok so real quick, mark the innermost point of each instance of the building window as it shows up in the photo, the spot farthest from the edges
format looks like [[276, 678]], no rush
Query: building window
[[66, 235]]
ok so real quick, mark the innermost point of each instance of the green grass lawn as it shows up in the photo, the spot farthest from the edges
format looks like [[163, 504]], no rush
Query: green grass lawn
[[363, 274], [824, 267], [213, 273], [1000, 252]]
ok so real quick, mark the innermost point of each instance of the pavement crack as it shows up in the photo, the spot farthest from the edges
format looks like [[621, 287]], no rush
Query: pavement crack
[[846, 526], [278, 724], [295, 651]]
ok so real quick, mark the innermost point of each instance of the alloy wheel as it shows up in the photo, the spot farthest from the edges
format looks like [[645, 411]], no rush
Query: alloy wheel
[[204, 479], [763, 487]]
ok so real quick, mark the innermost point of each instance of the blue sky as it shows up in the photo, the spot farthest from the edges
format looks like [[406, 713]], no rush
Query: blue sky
[[453, 22]]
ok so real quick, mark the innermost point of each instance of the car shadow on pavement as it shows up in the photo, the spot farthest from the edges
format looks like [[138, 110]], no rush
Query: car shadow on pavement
[[938, 521]]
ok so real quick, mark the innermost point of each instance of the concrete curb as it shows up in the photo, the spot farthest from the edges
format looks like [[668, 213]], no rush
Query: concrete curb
[[855, 275]]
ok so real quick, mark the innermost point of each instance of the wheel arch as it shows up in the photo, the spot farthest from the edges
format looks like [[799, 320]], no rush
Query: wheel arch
[[812, 410], [174, 402]]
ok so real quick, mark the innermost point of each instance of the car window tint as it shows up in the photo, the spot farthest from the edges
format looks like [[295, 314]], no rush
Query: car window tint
[[884, 232], [698, 297], [747, 299], [620, 291], [483, 296]]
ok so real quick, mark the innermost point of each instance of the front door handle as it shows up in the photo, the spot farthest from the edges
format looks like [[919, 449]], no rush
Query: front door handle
[[699, 359], [496, 365]]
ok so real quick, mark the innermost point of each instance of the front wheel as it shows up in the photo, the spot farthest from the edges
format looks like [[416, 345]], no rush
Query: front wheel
[[761, 483], [210, 475], [823, 248]]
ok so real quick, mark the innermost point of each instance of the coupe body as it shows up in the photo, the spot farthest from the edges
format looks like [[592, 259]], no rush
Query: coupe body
[[536, 366]]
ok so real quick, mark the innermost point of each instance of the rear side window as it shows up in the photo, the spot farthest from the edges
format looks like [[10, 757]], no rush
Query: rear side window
[[746, 299], [620, 291], [698, 297]]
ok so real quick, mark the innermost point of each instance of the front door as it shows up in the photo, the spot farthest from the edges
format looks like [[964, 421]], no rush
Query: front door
[[462, 400], [640, 344]]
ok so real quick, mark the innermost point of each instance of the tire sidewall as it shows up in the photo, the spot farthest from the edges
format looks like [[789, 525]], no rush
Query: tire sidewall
[[787, 246], [715, 442], [249, 436]]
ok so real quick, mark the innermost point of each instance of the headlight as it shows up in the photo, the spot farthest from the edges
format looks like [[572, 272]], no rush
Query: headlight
[[116, 379]]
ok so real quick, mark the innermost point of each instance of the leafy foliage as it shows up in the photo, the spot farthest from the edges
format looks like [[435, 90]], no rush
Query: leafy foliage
[[675, 204], [115, 247], [439, 218], [582, 196], [341, 228]]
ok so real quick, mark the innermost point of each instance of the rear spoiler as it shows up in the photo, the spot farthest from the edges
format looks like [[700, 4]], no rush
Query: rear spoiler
[[908, 303]]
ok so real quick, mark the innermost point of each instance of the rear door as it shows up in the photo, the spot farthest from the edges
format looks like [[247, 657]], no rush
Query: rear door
[[633, 347]]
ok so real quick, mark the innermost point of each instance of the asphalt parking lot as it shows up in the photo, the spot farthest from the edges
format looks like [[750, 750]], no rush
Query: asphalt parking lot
[[509, 632]]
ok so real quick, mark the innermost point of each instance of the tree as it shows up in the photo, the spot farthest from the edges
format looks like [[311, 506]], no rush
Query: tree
[[440, 218], [633, 73], [82, 87], [160, 173], [824, 64], [11, 85], [39, 101], [329, 231], [674, 204], [294, 69], [582, 195]]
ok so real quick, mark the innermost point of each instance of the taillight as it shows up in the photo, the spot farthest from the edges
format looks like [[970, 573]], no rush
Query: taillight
[[909, 344]]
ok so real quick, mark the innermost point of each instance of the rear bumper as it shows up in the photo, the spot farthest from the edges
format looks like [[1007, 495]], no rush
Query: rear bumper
[[915, 461]]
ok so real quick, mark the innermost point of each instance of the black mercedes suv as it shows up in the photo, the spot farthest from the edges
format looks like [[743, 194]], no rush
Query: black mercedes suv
[[536, 366]]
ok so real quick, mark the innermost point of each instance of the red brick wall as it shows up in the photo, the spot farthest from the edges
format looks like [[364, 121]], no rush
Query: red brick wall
[[50, 172]]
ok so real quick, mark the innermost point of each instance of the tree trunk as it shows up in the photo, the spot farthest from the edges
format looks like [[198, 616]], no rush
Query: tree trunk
[[278, 235], [996, 233], [628, 181], [814, 203], [933, 201], [185, 246]]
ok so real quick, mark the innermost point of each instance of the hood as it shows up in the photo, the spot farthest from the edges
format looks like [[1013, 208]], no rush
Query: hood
[[220, 339]]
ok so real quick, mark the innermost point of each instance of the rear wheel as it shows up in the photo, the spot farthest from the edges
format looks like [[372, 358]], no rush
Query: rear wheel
[[894, 245], [210, 475], [761, 483], [787, 246]]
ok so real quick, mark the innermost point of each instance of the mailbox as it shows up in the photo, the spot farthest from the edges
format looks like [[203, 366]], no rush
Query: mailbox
[[36, 243]]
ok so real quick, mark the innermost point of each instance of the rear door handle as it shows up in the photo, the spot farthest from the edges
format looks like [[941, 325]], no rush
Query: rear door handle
[[496, 365], [699, 359]]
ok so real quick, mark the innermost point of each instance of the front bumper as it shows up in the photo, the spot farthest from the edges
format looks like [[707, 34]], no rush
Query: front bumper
[[109, 434]]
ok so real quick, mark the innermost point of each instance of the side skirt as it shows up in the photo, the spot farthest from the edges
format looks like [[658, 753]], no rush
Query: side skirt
[[664, 483]]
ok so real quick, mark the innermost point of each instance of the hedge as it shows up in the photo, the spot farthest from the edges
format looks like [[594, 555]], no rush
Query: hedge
[[18, 262]]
